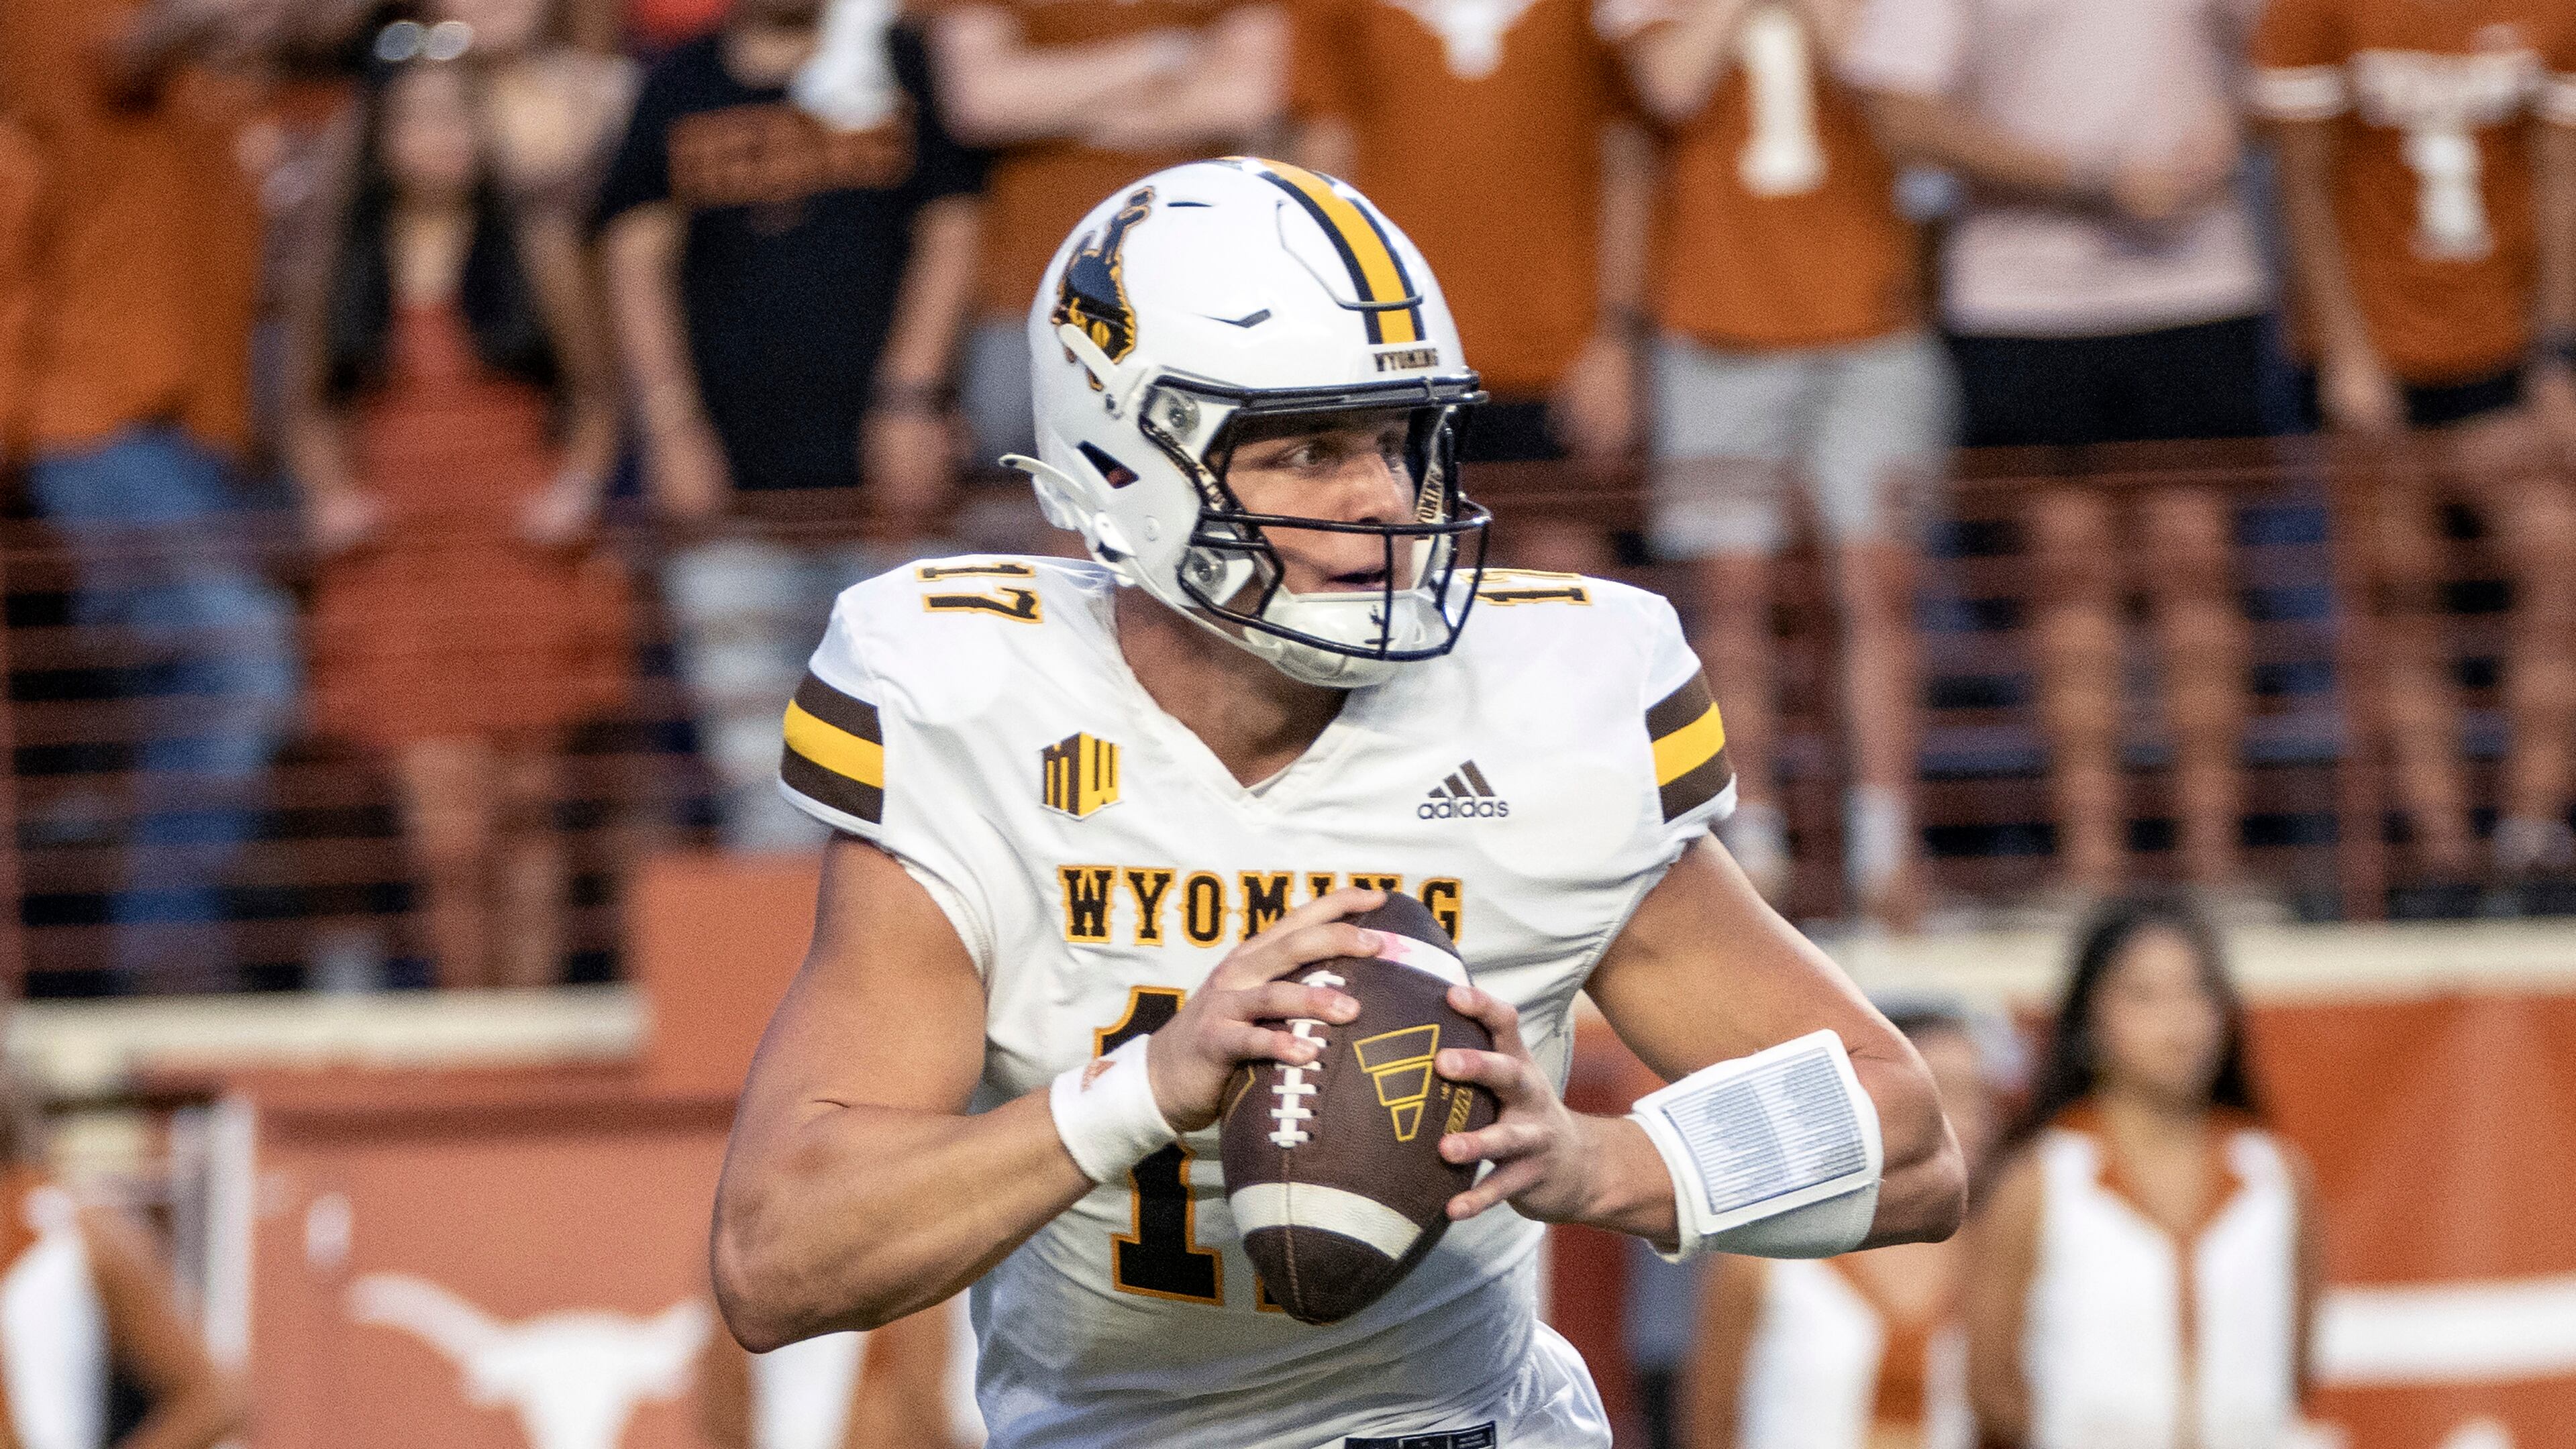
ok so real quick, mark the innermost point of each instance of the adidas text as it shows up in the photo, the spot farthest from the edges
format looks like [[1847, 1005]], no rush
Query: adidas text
[[1463, 809]]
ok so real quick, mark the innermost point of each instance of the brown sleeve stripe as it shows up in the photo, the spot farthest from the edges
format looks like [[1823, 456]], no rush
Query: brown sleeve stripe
[[1679, 708], [835, 751], [1697, 788], [843, 712], [840, 792], [1689, 739]]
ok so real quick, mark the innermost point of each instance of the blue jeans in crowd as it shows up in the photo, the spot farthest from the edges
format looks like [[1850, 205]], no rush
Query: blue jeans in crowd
[[201, 789]]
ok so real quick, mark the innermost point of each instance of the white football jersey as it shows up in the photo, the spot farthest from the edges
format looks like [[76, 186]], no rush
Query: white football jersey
[[975, 718]]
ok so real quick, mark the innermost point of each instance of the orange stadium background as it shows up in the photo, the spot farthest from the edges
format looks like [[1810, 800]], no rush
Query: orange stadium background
[[417, 1237]]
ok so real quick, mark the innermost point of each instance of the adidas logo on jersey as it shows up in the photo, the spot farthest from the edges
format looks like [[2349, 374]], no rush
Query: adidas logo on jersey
[[1465, 795]]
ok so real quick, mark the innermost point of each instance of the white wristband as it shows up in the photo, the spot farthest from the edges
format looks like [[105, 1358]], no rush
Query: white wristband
[[1106, 1114], [1775, 1155]]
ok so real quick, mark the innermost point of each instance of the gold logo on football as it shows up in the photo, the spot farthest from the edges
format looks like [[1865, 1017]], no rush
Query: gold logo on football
[[1081, 774], [1399, 1062]]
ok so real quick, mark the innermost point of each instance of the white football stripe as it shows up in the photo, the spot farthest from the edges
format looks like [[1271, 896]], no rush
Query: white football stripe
[[1421, 956], [1308, 1205]]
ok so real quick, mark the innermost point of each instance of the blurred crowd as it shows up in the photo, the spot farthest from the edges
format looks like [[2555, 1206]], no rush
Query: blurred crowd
[[463, 273]]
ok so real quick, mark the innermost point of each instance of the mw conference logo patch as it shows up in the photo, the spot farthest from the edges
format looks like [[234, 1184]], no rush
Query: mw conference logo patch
[[1079, 775]]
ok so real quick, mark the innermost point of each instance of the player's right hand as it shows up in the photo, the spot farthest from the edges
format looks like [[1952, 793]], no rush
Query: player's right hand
[[1235, 1016]]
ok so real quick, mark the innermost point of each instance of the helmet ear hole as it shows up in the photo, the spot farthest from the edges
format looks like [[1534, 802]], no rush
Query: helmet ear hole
[[1112, 472]]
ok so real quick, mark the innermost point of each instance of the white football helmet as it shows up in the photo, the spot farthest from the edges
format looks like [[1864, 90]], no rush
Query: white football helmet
[[1212, 294]]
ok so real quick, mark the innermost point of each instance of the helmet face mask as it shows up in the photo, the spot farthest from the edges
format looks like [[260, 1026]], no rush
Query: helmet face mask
[[1234, 571], [1136, 443]]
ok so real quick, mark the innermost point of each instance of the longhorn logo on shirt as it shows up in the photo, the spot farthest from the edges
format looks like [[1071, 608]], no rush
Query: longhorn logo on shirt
[[1471, 31], [1081, 775], [1093, 295], [574, 1378]]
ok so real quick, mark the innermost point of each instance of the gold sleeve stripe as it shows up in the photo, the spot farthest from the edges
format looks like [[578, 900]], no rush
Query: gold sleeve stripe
[[835, 751], [1687, 748], [1376, 271], [1691, 767]]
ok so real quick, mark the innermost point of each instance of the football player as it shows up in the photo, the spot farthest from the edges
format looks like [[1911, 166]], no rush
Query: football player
[[1090, 815]]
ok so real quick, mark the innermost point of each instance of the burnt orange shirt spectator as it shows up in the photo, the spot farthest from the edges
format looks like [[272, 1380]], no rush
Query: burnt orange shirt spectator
[[1454, 106], [661, 24], [1037, 190], [2436, 109], [19, 178], [149, 266], [1778, 224]]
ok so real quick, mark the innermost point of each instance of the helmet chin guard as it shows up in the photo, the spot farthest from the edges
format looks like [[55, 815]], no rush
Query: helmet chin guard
[[1214, 296]]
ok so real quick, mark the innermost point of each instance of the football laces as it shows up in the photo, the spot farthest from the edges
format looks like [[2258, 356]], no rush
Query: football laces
[[1289, 1112]]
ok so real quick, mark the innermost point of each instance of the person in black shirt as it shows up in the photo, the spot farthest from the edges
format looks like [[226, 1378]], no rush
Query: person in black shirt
[[788, 291]]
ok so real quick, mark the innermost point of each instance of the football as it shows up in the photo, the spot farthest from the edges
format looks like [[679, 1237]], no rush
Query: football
[[1334, 1170]]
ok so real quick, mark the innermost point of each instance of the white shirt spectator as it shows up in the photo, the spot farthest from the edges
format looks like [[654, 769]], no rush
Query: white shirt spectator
[[2098, 82]]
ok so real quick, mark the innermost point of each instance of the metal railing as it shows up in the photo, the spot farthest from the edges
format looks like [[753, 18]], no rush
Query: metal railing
[[323, 860]]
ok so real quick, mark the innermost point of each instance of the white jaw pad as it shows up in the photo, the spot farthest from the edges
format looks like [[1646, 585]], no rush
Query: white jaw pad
[[1774, 1155], [1328, 1209]]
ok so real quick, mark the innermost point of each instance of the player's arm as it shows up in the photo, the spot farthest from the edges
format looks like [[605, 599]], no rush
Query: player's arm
[[1704, 972], [857, 1190]]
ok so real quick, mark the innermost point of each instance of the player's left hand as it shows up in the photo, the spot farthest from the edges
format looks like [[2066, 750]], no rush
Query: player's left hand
[[1544, 1153]]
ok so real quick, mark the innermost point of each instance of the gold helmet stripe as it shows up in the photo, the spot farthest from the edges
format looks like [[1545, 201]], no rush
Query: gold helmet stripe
[[1376, 271]]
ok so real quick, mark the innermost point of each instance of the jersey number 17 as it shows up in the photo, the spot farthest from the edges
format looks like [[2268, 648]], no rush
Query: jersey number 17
[[1161, 1258]]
